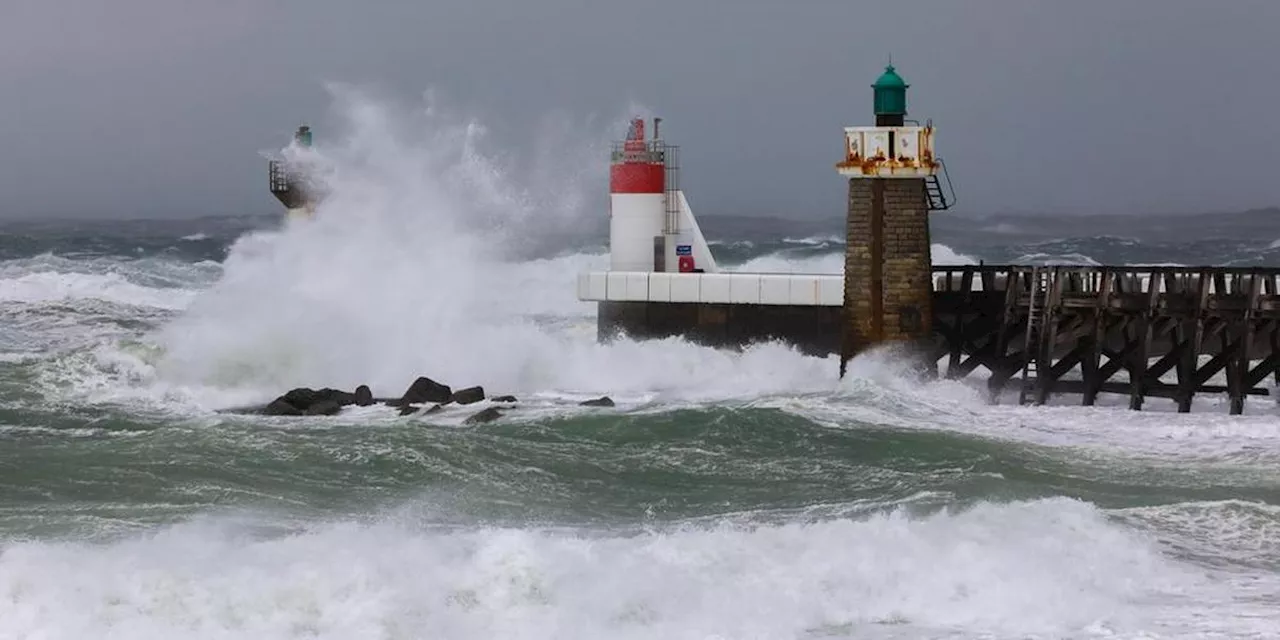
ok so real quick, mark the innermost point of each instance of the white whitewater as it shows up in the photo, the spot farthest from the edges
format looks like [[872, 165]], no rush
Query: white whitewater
[[1048, 569]]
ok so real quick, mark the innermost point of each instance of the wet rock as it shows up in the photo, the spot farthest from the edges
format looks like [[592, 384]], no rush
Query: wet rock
[[503, 399], [469, 395], [425, 390], [343, 398], [279, 407], [406, 409], [486, 415], [303, 399], [300, 398], [602, 401], [363, 396], [324, 408], [435, 408]]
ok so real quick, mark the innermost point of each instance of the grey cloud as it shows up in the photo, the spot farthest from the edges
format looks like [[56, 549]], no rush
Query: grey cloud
[[154, 107]]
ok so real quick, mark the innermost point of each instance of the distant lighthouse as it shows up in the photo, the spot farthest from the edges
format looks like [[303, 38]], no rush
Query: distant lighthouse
[[290, 186], [893, 185]]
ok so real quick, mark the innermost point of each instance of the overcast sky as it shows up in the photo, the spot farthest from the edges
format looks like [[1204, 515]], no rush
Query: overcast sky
[[160, 107]]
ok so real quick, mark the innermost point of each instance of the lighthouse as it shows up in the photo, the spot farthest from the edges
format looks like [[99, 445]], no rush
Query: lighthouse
[[893, 186], [650, 226], [289, 184], [663, 281]]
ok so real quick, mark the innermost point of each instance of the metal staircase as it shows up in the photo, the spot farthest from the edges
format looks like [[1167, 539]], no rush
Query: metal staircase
[[1034, 349], [935, 194]]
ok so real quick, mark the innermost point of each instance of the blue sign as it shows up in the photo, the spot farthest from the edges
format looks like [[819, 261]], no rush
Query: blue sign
[[684, 250]]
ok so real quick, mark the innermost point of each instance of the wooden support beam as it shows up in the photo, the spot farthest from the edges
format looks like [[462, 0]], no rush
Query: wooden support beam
[[1218, 362], [995, 384], [958, 344], [1143, 335], [1048, 337], [1188, 347], [1119, 359], [1090, 365], [1238, 368], [1067, 363], [1270, 364]]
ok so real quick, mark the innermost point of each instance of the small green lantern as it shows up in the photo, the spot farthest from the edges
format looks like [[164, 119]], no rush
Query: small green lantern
[[303, 136], [890, 92]]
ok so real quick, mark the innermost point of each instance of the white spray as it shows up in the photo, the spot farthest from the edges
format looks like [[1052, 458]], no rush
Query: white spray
[[407, 270]]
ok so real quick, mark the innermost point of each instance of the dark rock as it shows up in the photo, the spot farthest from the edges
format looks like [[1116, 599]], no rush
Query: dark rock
[[279, 407], [486, 415], [503, 399], [363, 396], [303, 399], [300, 398], [469, 395], [435, 408], [602, 401], [343, 398], [406, 409], [324, 408], [426, 390]]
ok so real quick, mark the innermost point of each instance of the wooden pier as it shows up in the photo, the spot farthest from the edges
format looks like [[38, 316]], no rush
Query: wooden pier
[[1142, 322]]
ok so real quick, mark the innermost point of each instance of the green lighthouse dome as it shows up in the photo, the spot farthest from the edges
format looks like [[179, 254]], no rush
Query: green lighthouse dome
[[890, 92]]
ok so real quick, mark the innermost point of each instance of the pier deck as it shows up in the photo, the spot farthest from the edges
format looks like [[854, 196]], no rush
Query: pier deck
[[1165, 332], [1145, 322]]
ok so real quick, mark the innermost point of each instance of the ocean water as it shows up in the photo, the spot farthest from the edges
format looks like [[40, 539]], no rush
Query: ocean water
[[728, 495]]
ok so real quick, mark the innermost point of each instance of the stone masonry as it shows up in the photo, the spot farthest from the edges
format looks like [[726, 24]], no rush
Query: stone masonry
[[887, 293]]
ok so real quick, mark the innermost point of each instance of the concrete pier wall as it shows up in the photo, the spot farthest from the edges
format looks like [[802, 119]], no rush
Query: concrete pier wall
[[813, 330]]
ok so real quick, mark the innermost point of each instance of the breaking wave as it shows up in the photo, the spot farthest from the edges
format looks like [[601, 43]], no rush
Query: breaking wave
[[1049, 568]]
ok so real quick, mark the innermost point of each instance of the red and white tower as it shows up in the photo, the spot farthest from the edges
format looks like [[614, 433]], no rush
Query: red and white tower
[[637, 202], [651, 228]]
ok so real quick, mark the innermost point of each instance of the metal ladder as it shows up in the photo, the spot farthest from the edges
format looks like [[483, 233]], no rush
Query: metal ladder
[[935, 194], [671, 192], [1041, 278]]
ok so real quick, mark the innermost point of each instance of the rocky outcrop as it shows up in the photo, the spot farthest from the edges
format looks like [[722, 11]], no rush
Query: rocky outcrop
[[279, 407], [310, 402], [324, 408], [364, 396], [424, 390], [303, 398], [470, 395]]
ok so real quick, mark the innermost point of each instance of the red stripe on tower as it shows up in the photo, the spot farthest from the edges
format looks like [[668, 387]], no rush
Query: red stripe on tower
[[637, 177]]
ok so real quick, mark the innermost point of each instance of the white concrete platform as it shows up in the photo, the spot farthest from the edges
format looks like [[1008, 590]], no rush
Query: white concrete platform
[[824, 290]]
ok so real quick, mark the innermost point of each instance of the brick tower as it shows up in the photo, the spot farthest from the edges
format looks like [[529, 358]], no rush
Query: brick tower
[[893, 185]]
